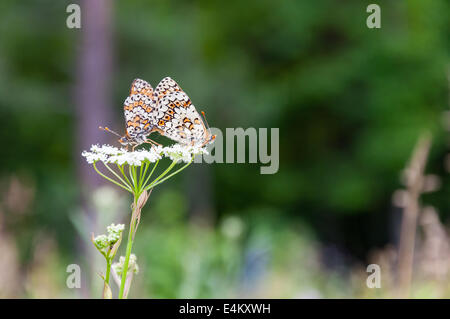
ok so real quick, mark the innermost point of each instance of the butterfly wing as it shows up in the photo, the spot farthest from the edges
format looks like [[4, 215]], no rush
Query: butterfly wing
[[139, 108], [176, 116]]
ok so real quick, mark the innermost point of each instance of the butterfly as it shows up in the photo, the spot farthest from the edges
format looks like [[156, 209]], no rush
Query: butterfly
[[167, 110]]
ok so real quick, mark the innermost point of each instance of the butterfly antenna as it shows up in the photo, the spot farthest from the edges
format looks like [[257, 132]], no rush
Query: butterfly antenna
[[108, 130], [204, 117], [209, 130]]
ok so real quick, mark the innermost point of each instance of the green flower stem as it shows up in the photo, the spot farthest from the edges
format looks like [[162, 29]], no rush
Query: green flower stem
[[142, 172], [151, 173], [147, 187], [108, 270], [111, 180], [128, 251], [133, 176], [124, 175], [136, 183], [130, 172], [157, 182], [137, 191], [117, 175]]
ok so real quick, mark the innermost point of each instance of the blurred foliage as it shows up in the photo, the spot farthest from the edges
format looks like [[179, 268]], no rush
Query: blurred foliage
[[350, 103]]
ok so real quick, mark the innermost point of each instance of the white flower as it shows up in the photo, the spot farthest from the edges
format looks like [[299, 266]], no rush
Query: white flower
[[183, 153], [110, 154], [115, 228], [132, 264], [114, 232], [101, 241]]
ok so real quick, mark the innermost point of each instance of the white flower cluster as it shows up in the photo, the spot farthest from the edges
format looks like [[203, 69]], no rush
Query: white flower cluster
[[101, 241], [183, 153], [114, 233], [110, 154], [132, 264]]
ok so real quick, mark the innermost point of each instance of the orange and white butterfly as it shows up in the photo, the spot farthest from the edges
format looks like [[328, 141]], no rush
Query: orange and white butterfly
[[166, 110]]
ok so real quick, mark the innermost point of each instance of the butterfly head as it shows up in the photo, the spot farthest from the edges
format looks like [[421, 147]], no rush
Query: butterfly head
[[125, 140], [128, 140]]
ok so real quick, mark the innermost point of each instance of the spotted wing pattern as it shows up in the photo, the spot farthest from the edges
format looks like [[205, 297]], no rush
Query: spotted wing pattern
[[139, 108], [176, 116]]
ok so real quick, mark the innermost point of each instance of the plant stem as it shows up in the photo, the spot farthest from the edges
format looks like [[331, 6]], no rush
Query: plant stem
[[110, 179], [108, 270], [138, 188], [159, 181], [143, 186], [147, 187], [128, 252], [117, 175]]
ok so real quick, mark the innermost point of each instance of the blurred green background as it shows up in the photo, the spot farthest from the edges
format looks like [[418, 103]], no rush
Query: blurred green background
[[350, 102]]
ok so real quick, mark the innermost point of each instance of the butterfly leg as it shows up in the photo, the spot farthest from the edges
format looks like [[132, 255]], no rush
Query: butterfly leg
[[152, 143]]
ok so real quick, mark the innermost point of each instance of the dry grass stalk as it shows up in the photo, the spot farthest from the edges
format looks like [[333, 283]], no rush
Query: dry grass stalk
[[414, 181]]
